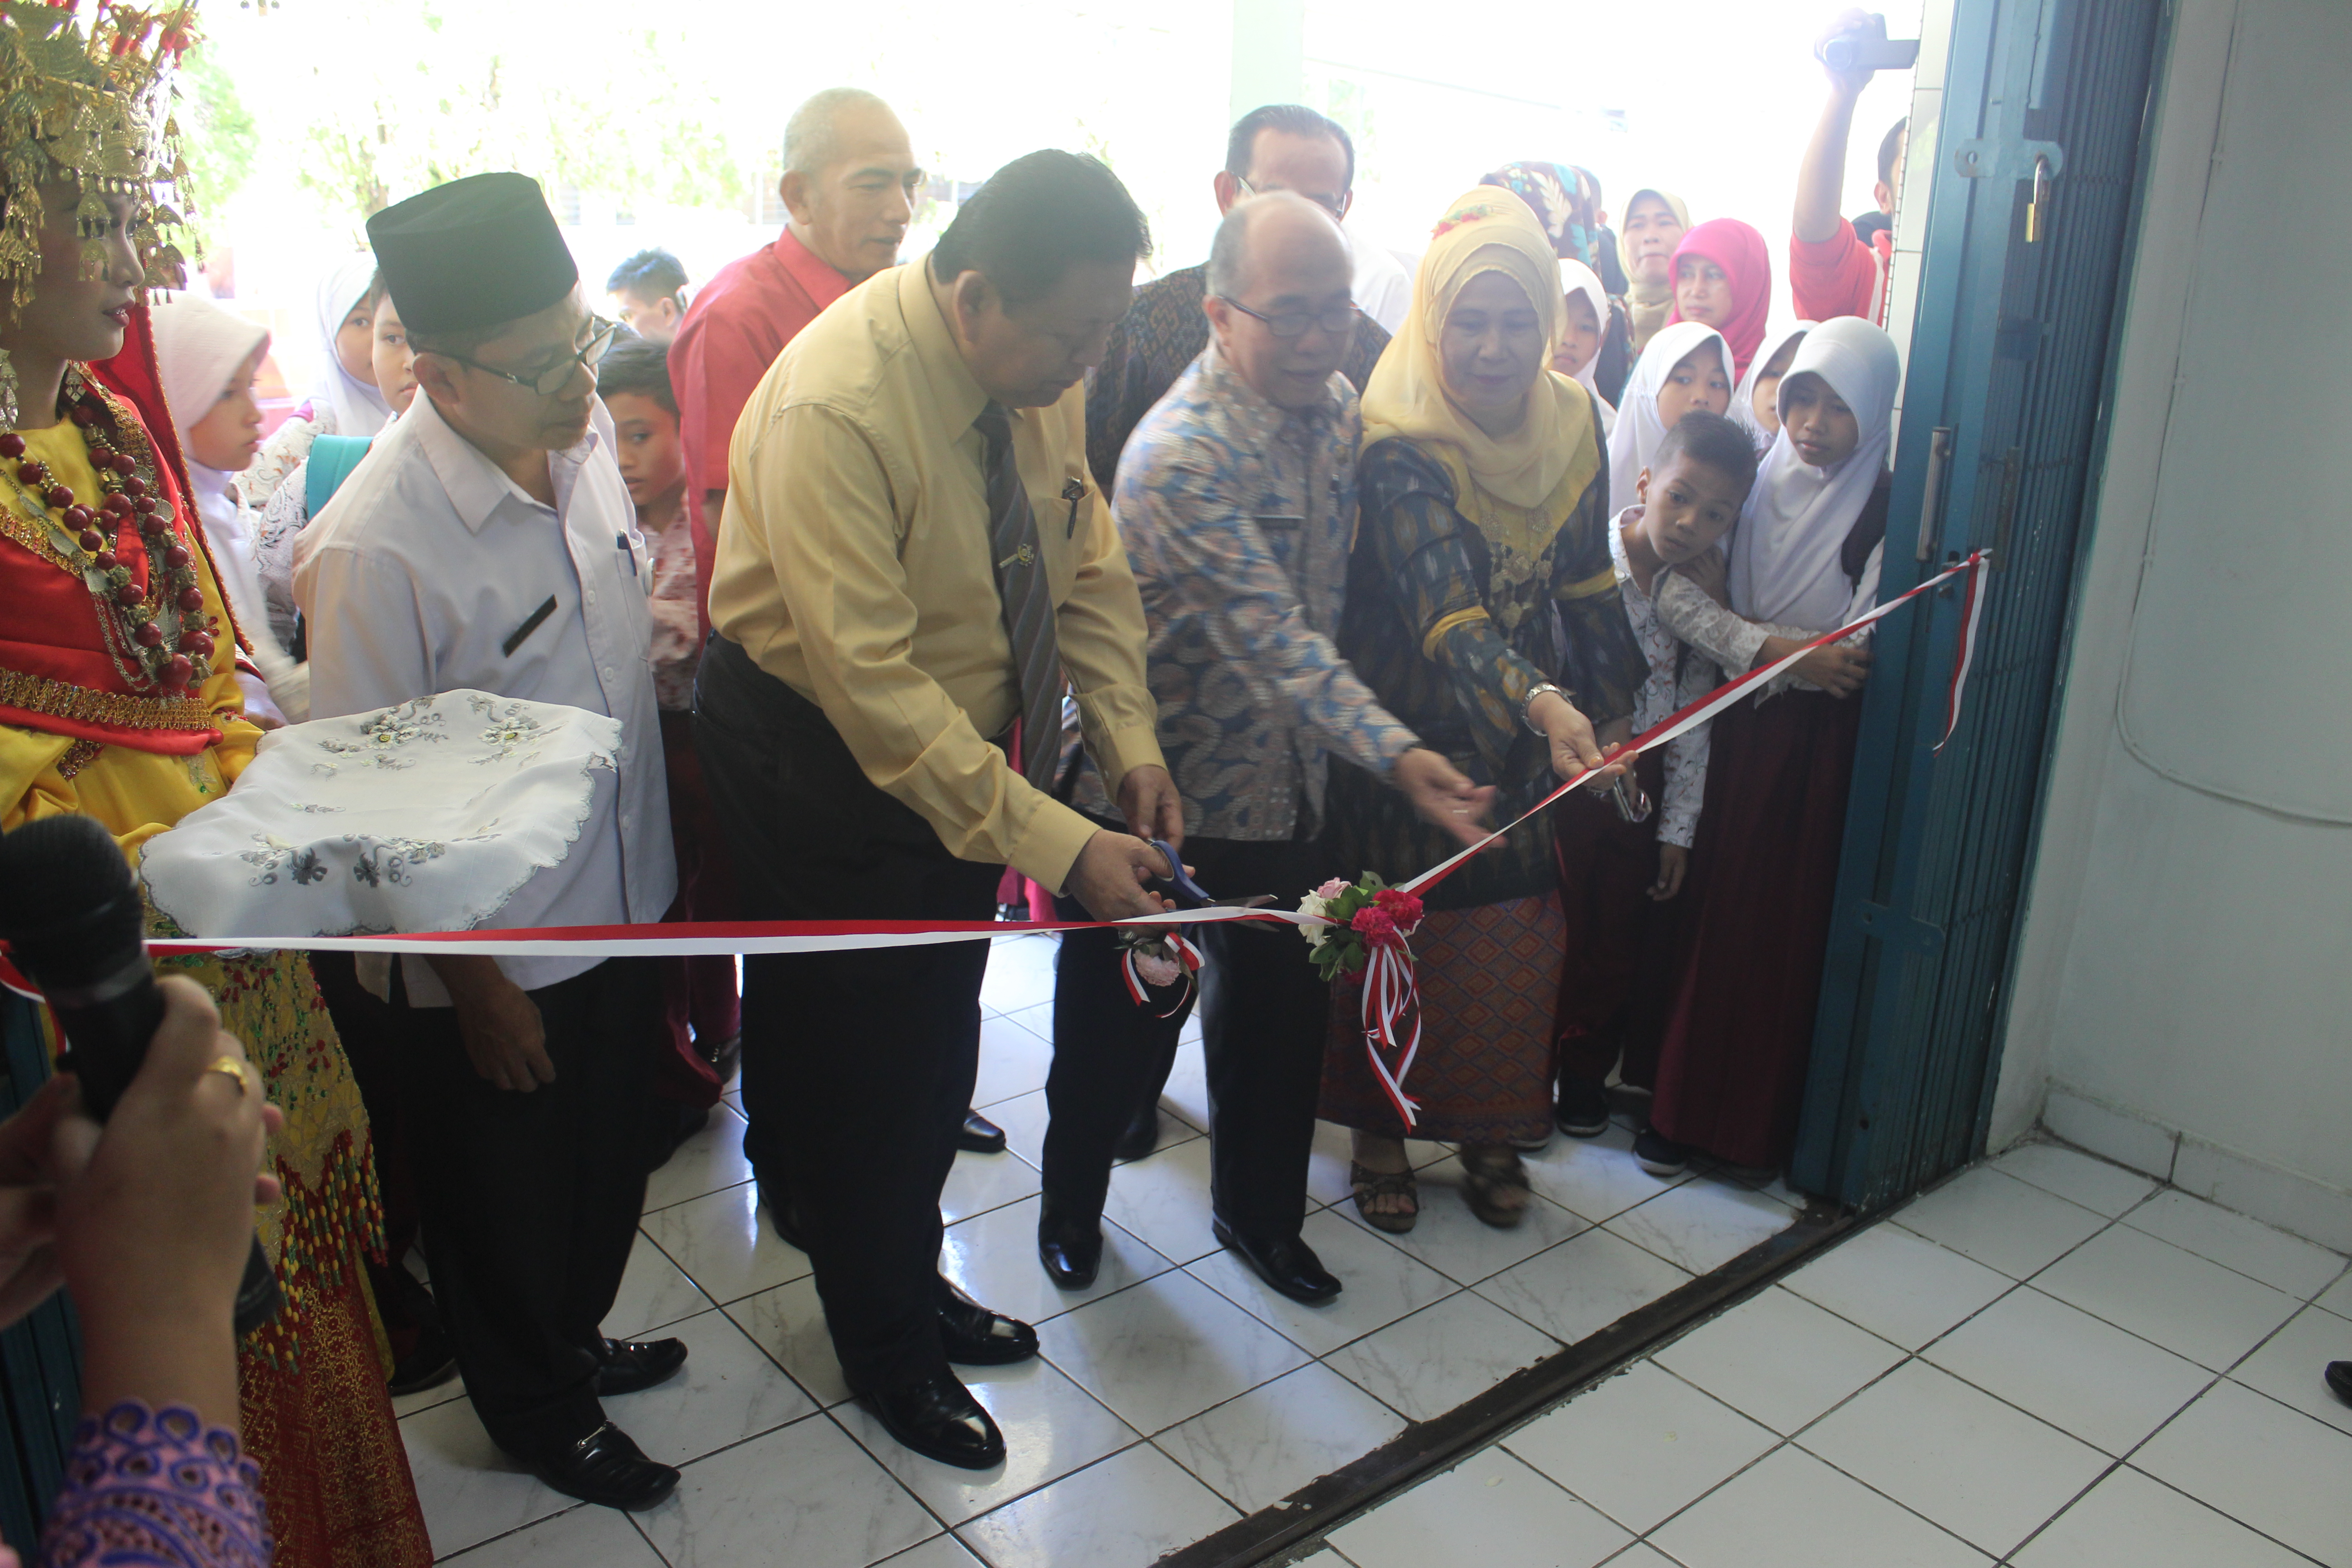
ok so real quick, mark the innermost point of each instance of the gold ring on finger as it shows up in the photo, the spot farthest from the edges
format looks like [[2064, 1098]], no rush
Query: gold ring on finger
[[235, 1068]]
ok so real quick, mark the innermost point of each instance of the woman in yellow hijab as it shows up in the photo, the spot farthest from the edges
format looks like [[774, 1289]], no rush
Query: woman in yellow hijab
[[1483, 611]]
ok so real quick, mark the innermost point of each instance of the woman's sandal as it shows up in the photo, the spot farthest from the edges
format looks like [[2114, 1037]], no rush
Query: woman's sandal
[[1370, 1183], [1486, 1175]]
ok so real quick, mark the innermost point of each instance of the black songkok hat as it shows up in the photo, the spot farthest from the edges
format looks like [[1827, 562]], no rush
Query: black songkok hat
[[475, 252]]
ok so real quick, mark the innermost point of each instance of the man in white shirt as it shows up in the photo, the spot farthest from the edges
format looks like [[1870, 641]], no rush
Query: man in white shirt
[[488, 541]]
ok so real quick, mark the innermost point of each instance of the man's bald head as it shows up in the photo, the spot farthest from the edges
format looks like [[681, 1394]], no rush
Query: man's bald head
[[1278, 284], [1278, 228], [850, 180]]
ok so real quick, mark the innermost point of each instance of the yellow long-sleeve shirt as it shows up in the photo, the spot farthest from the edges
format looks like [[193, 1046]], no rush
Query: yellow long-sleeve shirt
[[854, 565]]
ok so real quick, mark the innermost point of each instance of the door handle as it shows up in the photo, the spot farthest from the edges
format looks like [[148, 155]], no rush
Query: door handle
[[1931, 505]]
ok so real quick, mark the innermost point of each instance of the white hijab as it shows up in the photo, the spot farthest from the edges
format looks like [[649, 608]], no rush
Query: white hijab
[[360, 408], [1638, 430], [1743, 401], [1784, 554], [1576, 277], [198, 348]]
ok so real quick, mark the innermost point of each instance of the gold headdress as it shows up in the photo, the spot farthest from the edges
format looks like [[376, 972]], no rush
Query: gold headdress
[[84, 102]]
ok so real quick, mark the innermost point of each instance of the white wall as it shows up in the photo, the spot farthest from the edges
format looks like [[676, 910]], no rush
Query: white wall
[[2184, 995]]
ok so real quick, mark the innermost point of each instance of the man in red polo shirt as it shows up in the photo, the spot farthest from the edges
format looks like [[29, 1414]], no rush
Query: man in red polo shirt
[[849, 185]]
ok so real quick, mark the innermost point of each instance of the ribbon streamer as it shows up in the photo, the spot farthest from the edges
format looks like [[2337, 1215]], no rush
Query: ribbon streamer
[[1389, 1008], [1389, 997], [1188, 960]]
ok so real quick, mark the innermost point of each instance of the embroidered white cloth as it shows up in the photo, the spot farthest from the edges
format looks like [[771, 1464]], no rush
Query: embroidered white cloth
[[437, 814]]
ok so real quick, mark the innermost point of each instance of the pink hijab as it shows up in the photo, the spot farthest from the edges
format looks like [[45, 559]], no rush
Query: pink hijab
[[1740, 251]]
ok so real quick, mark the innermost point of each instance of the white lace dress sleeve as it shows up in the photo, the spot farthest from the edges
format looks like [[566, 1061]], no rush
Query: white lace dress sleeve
[[287, 449], [1731, 639], [276, 526]]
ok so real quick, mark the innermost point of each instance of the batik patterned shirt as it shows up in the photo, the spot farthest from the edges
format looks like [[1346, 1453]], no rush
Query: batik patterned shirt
[[1237, 517], [1162, 332]]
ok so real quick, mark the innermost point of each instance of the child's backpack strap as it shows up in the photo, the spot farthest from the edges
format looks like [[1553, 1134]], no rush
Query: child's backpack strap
[[332, 459]]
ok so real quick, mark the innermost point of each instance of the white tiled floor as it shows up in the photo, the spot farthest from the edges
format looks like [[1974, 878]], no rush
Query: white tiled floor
[[2049, 1362], [1172, 1398]]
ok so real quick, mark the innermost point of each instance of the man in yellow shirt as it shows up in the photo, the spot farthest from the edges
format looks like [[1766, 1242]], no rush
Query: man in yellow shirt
[[913, 558]]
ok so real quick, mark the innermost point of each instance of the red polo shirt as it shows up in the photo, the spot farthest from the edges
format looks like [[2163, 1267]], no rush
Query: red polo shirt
[[732, 332]]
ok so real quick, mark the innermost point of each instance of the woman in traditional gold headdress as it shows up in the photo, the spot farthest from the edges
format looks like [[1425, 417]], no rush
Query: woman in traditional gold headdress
[[119, 699]]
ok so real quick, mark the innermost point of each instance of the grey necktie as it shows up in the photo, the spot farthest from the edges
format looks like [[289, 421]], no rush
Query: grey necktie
[[1027, 599]]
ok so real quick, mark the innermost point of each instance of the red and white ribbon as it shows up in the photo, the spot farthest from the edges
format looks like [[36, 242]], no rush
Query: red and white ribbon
[[1685, 720], [1391, 1017], [1392, 1010], [1188, 961]]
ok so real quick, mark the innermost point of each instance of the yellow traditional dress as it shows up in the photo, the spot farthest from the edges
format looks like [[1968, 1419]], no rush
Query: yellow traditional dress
[[315, 1415]]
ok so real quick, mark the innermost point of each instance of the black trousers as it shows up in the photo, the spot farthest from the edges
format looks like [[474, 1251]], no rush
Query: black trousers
[[530, 1201], [1264, 1016], [856, 1065]]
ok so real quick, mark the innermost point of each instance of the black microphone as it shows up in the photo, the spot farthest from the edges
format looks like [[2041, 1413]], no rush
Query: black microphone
[[74, 926]]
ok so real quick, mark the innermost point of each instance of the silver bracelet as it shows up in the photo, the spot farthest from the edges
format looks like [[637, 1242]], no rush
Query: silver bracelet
[[1537, 690]]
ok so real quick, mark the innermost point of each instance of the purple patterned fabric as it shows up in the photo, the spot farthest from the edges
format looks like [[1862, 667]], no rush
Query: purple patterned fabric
[[158, 1489]]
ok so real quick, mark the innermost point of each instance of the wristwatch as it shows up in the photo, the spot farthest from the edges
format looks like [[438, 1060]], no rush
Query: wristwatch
[[1537, 690]]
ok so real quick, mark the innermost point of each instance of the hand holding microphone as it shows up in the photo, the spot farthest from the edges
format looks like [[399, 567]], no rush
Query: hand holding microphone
[[73, 923]]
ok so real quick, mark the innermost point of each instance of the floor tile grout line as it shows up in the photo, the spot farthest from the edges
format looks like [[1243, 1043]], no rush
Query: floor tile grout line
[[2158, 1191], [2125, 1220]]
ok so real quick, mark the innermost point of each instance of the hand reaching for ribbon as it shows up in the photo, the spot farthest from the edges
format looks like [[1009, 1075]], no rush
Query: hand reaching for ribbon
[[1443, 794], [1574, 747]]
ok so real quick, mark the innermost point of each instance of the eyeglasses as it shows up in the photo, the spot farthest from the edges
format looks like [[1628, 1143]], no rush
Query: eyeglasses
[[1336, 319], [1336, 205], [551, 380]]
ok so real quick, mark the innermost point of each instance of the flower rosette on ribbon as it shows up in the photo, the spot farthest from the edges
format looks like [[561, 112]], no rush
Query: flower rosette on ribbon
[[1151, 958], [1367, 924]]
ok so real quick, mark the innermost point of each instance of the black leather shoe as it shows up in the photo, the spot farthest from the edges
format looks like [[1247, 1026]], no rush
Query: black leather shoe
[[633, 1365], [1141, 1138], [606, 1467], [1070, 1249], [939, 1419], [2339, 1380], [979, 1135], [1287, 1264], [974, 1336]]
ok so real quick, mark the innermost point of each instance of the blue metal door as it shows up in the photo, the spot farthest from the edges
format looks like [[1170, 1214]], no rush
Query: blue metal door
[[2036, 170]]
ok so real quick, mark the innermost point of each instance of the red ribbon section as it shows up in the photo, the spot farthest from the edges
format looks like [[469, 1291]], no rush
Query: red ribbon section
[[1391, 1007]]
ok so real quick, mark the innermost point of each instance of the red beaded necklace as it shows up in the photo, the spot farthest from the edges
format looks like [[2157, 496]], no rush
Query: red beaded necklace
[[158, 635]]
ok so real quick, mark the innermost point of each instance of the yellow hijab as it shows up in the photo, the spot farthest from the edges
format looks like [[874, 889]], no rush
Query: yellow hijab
[[1553, 450]]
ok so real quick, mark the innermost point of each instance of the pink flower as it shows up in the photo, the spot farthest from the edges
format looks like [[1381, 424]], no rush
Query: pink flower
[[1157, 969], [1331, 890], [1375, 926]]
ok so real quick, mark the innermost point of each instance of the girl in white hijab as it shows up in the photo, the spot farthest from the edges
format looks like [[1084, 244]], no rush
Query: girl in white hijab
[[1787, 553], [1584, 327], [208, 358], [345, 399], [1804, 560], [1755, 407], [1687, 365], [345, 383]]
